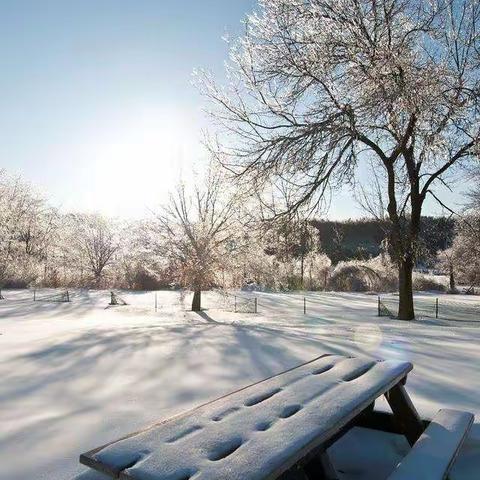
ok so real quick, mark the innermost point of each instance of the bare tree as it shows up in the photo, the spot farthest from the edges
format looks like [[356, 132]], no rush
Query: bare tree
[[94, 242], [466, 249], [142, 262], [27, 225], [291, 238], [196, 233], [474, 194], [318, 87], [447, 262]]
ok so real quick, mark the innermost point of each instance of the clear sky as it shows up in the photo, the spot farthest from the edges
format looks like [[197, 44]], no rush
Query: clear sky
[[97, 106]]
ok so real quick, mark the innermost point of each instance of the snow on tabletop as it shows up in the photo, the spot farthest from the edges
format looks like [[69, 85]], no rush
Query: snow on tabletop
[[258, 431]]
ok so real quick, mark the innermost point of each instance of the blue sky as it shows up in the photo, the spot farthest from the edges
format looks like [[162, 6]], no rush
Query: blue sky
[[97, 106]]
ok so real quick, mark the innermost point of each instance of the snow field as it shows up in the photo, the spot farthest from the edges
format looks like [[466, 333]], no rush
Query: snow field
[[77, 375]]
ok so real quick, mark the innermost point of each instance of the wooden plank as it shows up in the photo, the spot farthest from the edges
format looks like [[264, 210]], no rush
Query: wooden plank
[[261, 432], [437, 448], [407, 417]]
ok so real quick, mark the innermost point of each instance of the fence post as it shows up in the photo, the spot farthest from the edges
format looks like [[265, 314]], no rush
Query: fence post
[[436, 307], [155, 301], [34, 294], [378, 306], [68, 296], [304, 306], [235, 304], [255, 304]]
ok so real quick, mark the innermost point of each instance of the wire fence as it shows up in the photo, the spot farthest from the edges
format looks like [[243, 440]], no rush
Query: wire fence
[[63, 296], [169, 301], [237, 303], [246, 302], [443, 310], [116, 299], [433, 307]]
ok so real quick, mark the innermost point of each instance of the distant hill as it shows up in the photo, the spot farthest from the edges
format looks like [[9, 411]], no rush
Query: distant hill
[[362, 238]]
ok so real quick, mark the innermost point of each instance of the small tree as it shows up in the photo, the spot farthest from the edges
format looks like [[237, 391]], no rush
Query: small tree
[[447, 262], [291, 238], [317, 268], [141, 263], [318, 87], [466, 249], [462, 260], [195, 231], [306, 245], [93, 242]]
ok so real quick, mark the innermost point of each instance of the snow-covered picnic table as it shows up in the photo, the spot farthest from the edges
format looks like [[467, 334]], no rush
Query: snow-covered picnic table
[[265, 429]]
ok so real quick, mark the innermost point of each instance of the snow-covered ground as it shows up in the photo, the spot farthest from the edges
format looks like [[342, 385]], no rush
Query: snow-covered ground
[[77, 375]]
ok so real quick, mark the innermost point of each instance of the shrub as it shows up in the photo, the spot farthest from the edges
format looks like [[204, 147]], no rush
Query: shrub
[[424, 283], [376, 274]]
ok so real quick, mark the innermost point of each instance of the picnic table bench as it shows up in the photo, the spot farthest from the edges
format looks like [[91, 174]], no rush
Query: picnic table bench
[[286, 422]]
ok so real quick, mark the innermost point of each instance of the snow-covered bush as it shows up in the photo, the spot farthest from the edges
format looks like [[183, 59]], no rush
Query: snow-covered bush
[[425, 283], [377, 274], [253, 287]]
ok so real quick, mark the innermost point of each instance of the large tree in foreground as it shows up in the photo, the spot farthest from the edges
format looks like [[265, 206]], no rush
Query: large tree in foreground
[[319, 87]]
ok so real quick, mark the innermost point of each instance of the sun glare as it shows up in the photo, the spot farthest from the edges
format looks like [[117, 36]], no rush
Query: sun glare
[[139, 159]]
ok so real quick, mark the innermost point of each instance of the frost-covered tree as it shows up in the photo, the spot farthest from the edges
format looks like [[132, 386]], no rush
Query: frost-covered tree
[[27, 228], [462, 260], [93, 242], [317, 269], [466, 249], [319, 87], [300, 240], [196, 231], [290, 239], [474, 194], [142, 261], [447, 262]]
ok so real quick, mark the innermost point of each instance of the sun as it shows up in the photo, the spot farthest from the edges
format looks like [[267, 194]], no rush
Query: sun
[[139, 158]]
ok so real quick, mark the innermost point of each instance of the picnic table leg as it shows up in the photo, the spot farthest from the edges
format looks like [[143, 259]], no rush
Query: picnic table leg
[[320, 468], [405, 413]]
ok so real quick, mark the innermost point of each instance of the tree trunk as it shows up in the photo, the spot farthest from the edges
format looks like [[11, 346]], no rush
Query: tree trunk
[[405, 286], [302, 269], [197, 301], [452, 279]]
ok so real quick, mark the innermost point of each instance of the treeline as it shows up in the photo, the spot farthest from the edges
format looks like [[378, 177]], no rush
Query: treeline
[[188, 242], [209, 240], [39, 245]]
